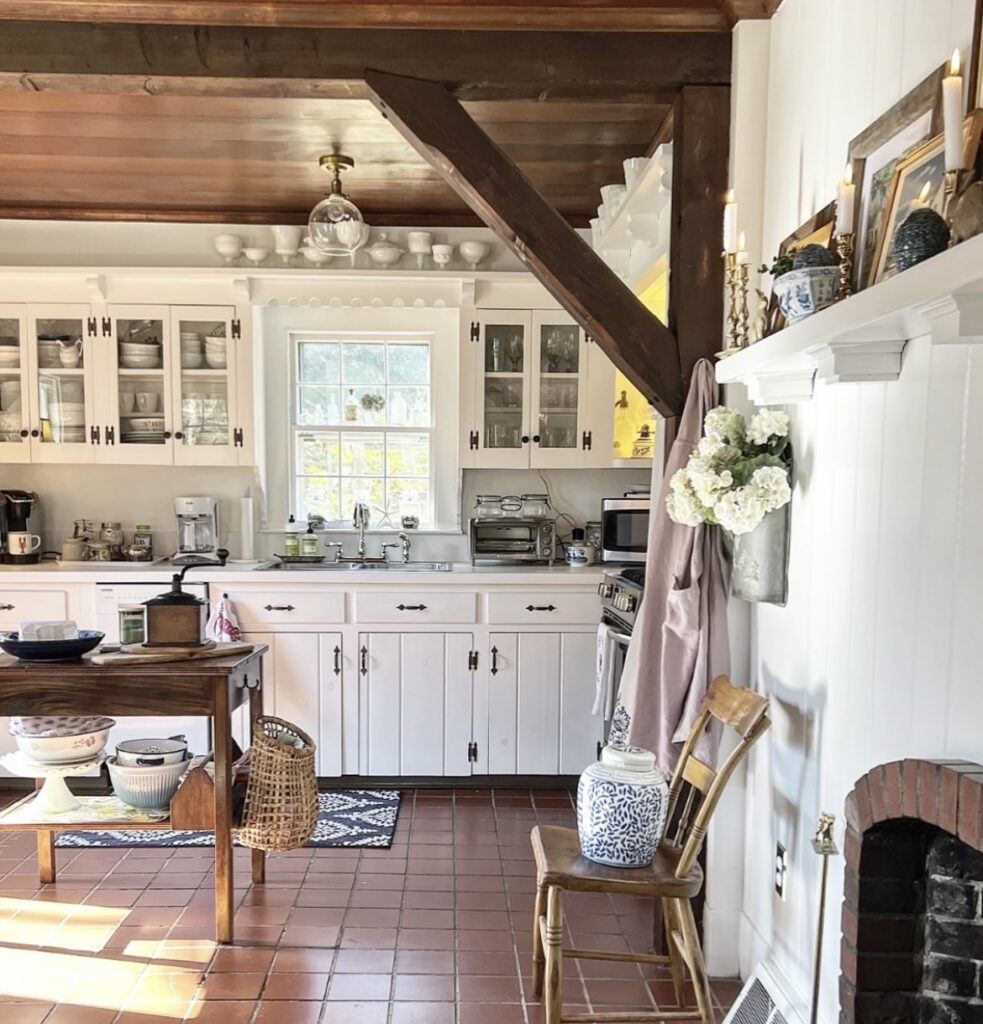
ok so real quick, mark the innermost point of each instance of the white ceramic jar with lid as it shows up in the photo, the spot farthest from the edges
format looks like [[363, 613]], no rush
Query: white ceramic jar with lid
[[622, 802]]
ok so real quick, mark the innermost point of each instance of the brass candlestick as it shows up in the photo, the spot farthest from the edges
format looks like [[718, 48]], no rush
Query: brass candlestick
[[955, 182], [745, 316], [733, 322], [844, 249]]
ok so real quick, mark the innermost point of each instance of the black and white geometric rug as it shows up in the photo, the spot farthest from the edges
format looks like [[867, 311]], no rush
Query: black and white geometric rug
[[346, 817]]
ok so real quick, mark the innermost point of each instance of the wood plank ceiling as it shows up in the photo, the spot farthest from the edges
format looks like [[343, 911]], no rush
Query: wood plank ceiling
[[117, 117]]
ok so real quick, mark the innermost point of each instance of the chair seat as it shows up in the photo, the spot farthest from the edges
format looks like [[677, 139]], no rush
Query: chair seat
[[559, 862]]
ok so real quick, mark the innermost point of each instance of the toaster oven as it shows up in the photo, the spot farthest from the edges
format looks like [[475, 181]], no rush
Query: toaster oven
[[510, 539]]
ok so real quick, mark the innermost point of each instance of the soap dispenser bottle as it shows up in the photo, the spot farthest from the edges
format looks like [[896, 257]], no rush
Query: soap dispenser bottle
[[291, 538]]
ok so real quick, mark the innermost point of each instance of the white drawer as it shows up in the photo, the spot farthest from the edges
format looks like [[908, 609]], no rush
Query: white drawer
[[17, 606], [283, 607], [543, 607], [432, 607]]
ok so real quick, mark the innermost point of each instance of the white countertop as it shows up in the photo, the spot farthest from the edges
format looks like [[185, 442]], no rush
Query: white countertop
[[247, 572]]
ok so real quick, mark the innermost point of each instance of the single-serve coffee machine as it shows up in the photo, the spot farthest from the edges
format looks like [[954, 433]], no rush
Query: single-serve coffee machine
[[197, 531], [18, 544]]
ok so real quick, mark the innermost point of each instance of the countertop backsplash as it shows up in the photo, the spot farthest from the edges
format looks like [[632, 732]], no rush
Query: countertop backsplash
[[143, 494]]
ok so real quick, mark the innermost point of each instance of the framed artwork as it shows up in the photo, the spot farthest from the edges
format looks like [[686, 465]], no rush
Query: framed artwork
[[975, 83], [817, 230], [875, 152], [919, 178]]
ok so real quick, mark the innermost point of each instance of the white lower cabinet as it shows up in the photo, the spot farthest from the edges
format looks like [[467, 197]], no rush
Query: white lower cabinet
[[540, 694], [303, 676], [415, 695]]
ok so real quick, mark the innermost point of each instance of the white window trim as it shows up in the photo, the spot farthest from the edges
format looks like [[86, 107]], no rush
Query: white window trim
[[281, 324]]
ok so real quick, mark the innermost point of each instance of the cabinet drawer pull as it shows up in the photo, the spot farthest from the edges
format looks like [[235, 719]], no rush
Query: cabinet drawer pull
[[363, 660], [540, 607], [279, 607], [7, 607], [337, 661], [411, 607], [494, 664]]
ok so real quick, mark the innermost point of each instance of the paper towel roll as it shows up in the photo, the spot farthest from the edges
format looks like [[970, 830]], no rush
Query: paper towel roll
[[246, 527]]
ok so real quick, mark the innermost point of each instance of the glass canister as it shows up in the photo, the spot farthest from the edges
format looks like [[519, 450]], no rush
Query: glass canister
[[132, 628], [112, 534], [488, 506], [536, 506], [592, 534], [100, 551]]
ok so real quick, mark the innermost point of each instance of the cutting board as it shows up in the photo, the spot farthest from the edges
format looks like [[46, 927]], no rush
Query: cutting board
[[174, 654]]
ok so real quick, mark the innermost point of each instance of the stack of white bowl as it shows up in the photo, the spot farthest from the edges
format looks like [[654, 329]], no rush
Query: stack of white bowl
[[9, 354], [147, 773], [67, 421], [135, 355], [215, 353], [61, 740], [192, 350]]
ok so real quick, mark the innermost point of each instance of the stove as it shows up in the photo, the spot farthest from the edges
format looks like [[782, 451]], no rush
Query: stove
[[621, 594]]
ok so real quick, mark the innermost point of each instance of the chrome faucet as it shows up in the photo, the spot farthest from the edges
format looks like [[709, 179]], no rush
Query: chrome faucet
[[360, 520], [405, 546]]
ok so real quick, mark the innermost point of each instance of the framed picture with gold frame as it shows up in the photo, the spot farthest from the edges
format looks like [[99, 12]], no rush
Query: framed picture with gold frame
[[919, 178]]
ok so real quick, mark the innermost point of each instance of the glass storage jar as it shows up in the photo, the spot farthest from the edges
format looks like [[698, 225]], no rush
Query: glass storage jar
[[536, 506], [488, 506]]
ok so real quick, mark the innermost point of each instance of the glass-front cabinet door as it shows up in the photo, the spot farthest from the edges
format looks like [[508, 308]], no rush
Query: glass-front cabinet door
[[559, 398], [61, 349], [14, 404], [138, 413], [203, 382], [505, 363]]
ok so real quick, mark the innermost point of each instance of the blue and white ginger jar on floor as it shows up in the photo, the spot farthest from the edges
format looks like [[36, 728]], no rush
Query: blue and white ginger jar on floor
[[622, 802]]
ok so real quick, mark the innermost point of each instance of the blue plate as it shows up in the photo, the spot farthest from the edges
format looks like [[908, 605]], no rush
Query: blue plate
[[51, 650]]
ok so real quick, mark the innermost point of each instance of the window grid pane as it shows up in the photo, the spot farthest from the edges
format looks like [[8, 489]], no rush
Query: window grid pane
[[363, 429]]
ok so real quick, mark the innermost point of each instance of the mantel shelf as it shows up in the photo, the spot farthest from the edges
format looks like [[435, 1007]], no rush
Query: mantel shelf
[[862, 339]]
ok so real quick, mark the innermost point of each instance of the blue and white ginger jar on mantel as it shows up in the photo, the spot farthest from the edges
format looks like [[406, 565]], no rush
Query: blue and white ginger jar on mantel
[[622, 802]]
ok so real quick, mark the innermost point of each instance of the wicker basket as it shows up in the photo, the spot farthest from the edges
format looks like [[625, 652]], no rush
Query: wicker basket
[[281, 796]]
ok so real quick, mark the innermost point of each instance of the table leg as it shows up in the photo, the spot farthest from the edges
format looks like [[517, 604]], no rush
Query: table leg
[[222, 733], [257, 857], [46, 855]]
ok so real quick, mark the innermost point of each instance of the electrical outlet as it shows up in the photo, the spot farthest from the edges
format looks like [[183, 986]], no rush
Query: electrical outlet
[[781, 870]]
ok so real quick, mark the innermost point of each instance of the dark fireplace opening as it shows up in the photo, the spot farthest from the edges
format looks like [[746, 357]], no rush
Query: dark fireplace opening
[[912, 947]]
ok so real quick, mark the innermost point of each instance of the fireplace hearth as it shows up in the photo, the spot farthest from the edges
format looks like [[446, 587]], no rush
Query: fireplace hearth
[[912, 923]]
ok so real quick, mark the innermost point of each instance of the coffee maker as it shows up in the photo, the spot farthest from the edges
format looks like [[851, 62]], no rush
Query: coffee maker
[[16, 509], [197, 532]]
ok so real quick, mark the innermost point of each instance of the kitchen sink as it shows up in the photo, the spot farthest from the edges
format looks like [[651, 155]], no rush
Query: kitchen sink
[[355, 567]]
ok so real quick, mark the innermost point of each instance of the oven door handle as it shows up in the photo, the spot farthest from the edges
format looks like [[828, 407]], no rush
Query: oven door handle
[[620, 638]]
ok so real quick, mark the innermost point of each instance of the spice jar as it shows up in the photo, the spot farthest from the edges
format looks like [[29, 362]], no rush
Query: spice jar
[[132, 629]]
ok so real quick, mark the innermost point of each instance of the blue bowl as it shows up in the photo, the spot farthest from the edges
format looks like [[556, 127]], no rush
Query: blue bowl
[[51, 650]]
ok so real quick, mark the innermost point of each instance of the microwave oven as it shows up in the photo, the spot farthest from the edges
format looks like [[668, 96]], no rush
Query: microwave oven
[[625, 528], [511, 539]]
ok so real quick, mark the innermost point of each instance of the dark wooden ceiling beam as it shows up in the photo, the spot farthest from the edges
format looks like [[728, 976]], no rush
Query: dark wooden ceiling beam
[[700, 151], [473, 15], [441, 130], [627, 67]]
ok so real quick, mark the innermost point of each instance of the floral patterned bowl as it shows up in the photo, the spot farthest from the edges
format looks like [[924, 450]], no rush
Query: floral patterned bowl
[[63, 749], [803, 292]]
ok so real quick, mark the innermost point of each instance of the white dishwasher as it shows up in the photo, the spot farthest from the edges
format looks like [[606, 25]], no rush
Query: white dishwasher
[[109, 596]]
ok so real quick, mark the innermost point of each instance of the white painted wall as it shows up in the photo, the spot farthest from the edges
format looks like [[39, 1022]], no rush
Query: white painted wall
[[876, 655]]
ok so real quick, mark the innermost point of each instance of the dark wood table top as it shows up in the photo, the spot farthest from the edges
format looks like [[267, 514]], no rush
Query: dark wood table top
[[40, 670]]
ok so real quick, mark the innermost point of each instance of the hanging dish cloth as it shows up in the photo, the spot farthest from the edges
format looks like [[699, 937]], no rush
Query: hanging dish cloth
[[606, 690], [223, 624]]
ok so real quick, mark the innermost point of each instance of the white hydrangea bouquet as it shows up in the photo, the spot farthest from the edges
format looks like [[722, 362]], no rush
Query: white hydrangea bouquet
[[738, 473]]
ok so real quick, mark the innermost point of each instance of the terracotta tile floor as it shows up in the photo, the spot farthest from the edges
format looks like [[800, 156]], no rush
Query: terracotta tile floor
[[435, 930]]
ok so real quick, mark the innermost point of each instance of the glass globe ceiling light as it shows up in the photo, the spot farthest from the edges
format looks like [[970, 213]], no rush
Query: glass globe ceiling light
[[336, 226]]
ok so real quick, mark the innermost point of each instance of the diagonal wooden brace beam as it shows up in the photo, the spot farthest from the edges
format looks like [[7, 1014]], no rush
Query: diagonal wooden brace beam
[[445, 135]]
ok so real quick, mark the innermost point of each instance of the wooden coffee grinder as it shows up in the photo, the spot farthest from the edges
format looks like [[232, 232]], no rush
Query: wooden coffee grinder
[[177, 618]]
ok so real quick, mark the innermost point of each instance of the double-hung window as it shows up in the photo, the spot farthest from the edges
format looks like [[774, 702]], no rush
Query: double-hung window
[[363, 426]]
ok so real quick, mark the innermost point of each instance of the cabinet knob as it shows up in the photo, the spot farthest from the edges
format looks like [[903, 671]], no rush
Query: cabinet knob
[[535, 438], [35, 433], [167, 435], [525, 439], [178, 435], [25, 433]]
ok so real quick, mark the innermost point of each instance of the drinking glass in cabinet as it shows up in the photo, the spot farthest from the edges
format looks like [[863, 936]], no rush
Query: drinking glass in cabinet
[[205, 415], [504, 348], [560, 349]]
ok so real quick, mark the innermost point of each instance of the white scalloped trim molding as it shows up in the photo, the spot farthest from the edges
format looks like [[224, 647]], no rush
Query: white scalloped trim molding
[[862, 339]]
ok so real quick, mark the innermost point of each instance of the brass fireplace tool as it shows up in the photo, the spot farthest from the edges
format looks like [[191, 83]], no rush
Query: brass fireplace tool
[[824, 844]]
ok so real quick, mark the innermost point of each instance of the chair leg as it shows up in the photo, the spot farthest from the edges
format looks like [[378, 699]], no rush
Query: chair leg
[[694, 959], [538, 956], [554, 955], [676, 965]]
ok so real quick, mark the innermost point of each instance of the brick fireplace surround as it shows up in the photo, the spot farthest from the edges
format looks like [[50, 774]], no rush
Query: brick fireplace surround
[[912, 923]]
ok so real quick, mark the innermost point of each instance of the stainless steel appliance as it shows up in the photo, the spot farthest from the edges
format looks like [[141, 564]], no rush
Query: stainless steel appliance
[[621, 595], [197, 531], [625, 528], [511, 539], [16, 510]]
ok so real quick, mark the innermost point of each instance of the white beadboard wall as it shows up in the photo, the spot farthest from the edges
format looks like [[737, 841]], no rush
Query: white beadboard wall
[[876, 655]]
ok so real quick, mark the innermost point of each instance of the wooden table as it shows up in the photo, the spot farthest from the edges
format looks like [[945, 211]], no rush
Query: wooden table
[[213, 687]]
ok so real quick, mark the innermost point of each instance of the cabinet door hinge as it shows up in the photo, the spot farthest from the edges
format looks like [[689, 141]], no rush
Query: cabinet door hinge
[[587, 440], [110, 435], [94, 435], [472, 660], [473, 439], [93, 326], [237, 328], [472, 752], [107, 327], [475, 332], [237, 437]]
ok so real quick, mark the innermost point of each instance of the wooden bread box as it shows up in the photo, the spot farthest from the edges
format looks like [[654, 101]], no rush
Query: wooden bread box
[[193, 805]]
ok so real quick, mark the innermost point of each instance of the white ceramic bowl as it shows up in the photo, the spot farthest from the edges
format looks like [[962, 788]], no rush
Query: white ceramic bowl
[[473, 252], [151, 753], [68, 414], [216, 360], [192, 360], [229, 247], [149, 789], [63, 749], [255, 254], [140, 362], [135, 348], [9, 356]]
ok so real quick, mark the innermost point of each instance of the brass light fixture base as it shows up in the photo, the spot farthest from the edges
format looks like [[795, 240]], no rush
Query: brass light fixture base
[[336, 162]]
